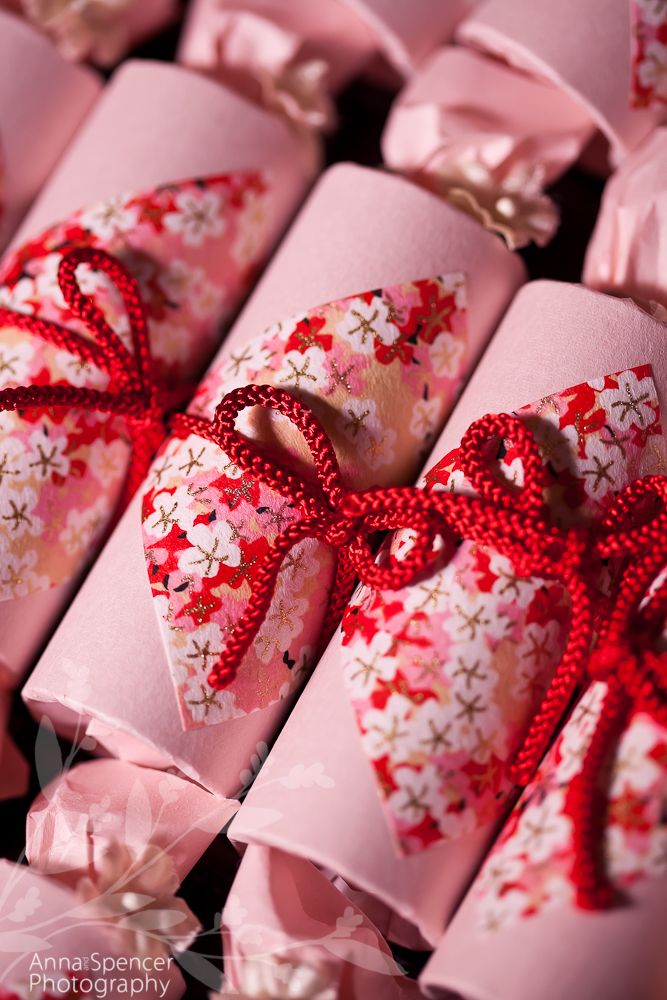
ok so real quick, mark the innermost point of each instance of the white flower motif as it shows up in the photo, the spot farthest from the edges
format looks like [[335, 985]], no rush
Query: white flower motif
[[387, 730], [417, 793], [110, 217], [267, 978], [303, 372], [544, 828], [652, 70], [211, 546], [367, 663], [628, 405], [46, 454], [425, 418], [446, 353], [366, 324], [198, 217], [15, 362], [307, 776], [83, 526], [107, 461], [653, 11], [252, 230]]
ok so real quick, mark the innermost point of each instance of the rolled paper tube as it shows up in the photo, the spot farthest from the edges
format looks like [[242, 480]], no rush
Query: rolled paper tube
[[43, 100], [99, 31], [627, 254], [147, 149], [268, 36], [101, 643], [13, 768], [287, 928], [487, 138], [316, 795], [588, 58], [103, 803], [48, 932]]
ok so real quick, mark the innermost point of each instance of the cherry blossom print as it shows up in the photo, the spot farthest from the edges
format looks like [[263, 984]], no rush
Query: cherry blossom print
[[649, 52], [365, 364], [529, 869], [445, 674], [61, 472]]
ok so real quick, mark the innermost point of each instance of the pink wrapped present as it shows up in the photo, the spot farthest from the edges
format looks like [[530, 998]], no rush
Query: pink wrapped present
[[627, 254], [289, 933], [296, 55], [192, 216], [43, 100], [100, 31], [487, 138], [384, 366], [56, 942], [392, 769], [588, 57], [110, 805]]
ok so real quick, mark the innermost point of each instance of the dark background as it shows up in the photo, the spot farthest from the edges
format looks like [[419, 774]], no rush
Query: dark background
[[362, 109]]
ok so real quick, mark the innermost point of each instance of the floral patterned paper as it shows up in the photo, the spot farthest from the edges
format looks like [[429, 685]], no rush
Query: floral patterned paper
[[381, 371], [529, 868], [193, 247], [445, 674], [649, 52]]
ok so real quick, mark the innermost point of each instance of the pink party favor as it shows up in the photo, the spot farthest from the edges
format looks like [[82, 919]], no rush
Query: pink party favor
[[392, 770], [62, 942], [487, 138], [382, 333], [100, 31], [295, 55], [288, 932], [627, 254], [191, 215], [43, 100], [111, 807], [588, 55]]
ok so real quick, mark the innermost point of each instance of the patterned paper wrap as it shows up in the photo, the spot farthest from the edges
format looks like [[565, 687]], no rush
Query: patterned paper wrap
[[113, 654], [40, 918], [649, 52], [588, 58], [288, 932], [43, 100], [445, 674], [487, 138], [382, 369], [627, 253], [100, 31], [193, 240]]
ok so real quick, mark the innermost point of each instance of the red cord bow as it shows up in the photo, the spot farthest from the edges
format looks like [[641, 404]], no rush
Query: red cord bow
[[514, 522], [634, 673], [133, 391]]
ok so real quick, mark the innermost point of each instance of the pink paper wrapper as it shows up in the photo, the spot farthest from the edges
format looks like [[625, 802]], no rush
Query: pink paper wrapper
[[150, 130], [100, 31], [351, 205], [487, 138], [333, 813], [627, 252], [261, 39], [84, 811], [588, 57], [289, 932], [13, 769], [47, 932], [43, 100]]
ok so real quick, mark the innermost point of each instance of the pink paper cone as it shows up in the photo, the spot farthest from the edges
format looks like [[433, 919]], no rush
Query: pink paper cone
[[100, 644], [151, 128], [94, 805], [286, 926], [316, 795], [47, 932], [586, 57], [43, 100], [628, 249]]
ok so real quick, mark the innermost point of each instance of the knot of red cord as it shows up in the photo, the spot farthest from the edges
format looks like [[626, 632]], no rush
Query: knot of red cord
[[133, 391], [515, 523]]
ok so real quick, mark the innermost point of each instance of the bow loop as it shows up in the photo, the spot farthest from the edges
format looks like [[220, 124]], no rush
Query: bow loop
[[477, 453], [133, 392]]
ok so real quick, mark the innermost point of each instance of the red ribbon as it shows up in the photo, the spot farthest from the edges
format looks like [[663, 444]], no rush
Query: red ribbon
[[516, 524], [134, 391]]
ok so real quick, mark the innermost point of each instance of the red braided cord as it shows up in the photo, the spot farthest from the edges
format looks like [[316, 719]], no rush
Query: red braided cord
[[133, 391]]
